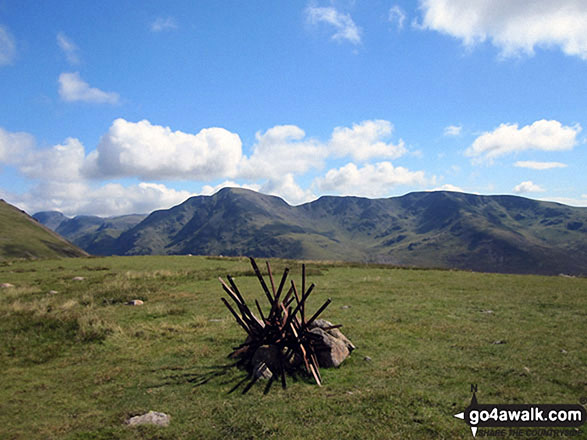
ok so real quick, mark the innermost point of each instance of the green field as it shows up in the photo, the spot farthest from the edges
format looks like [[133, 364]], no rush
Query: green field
[[77, 363]]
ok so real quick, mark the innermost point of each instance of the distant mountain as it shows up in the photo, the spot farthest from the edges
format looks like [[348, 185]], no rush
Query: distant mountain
[[23, 237], [426, 229], [96, 235]]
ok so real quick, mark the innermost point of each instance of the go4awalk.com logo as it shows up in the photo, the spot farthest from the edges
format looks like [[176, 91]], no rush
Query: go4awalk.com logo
[[508, 420]]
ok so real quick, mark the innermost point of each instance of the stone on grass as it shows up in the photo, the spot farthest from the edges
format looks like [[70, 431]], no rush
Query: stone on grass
[[265, 358], [150, 418], [135, 302], [6, 285], [78, 278]]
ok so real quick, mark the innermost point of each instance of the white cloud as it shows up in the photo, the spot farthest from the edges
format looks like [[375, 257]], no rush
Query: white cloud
[[61, 163], [528, 187], [7, 47], [372, 180], [281, 150], [15, 147], [163, 24], [397, 15], [508, 138], [514, 26], [72, 88], [448, 187], [582, 202], [364, 141], [286, 188], [149, 151], [68, 47], [539, 165], [74, 198], [345, 27], [453, 130]]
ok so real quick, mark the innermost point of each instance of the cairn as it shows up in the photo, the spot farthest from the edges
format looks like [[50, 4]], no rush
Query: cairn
[[283, 340]]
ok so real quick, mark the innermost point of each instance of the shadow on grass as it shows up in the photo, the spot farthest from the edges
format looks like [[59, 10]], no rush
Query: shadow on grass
[[221, 375]]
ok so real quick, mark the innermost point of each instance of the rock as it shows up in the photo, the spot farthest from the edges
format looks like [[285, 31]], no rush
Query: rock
[[367, 359], [265, 359], [53, 292], [334, 332], [345, 307], [499, 342], [135, 302], [6, 285], [151, 418], [489, 312], [78, 278], [330, 351]]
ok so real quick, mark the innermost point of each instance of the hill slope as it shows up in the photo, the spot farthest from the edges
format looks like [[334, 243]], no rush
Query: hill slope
[[94, 234], [23, 237], [428, 229]]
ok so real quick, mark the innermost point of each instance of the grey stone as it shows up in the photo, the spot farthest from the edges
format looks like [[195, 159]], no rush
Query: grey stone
[[150, 418], [265, 359], [78, 278], [330, 351], [334, 332]]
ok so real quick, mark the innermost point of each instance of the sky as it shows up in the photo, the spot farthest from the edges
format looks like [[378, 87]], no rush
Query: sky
[[117, 107]]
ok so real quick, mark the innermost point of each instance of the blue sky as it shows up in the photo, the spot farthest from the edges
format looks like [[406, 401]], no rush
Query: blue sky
[[115, 107]]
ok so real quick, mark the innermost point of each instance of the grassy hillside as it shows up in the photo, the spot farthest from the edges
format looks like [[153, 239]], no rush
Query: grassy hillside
[[96, 235], [504, 234], [75, 364], [23, 237]]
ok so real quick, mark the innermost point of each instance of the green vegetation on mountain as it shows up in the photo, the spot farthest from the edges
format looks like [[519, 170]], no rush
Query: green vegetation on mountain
[[94, 234], [21, 236], [428, 229]]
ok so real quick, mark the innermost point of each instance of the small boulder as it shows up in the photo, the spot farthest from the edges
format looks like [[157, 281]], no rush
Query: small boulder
[[78, 278], [135, 302], [330, 351], [334, 332], [265, 358], [150, 418]]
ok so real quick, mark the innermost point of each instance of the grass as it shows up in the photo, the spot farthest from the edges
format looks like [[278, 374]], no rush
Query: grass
[[77, 363]]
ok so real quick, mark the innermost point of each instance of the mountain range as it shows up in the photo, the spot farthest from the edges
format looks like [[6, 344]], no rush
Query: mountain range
[[507, 234]]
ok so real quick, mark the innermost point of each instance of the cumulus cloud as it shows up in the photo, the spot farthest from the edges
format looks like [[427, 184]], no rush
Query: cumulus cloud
[[364, 141], [453, 130], [68, 47], [280, 150], [539, 165], [345, 27], [61, 163], [73, 89], [7, 47], [372, 180], [528, 187], [397, 16], [15, 147], [509, 138], [141, 149], [163, 24], [514, 26], [287, 188], [74, 198]]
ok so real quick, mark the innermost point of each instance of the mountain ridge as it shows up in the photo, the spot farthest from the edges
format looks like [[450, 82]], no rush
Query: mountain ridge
[[500, 233]]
